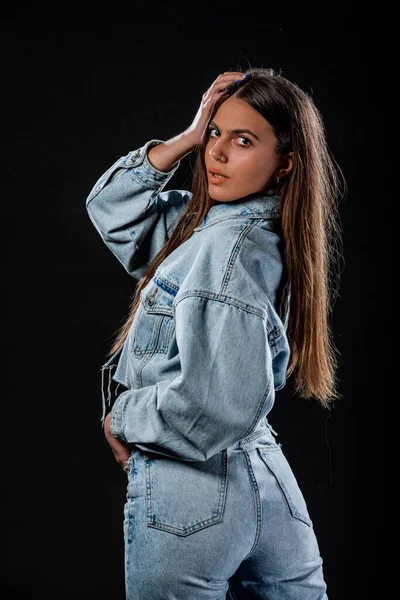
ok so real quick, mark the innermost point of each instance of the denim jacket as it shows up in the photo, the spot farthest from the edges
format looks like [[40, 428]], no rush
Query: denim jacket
[[207, 349]]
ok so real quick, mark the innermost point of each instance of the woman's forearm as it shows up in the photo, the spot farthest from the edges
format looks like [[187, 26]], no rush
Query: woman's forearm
[[164, 156]]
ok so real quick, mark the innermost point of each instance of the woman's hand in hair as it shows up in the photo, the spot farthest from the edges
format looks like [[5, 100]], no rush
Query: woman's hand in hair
[[121, 451], [198, 128]]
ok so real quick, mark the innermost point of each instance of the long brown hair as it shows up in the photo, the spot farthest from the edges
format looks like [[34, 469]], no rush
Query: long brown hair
[[310, 225]]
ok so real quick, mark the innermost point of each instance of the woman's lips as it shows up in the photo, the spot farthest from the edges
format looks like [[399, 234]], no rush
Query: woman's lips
[[216, 180]]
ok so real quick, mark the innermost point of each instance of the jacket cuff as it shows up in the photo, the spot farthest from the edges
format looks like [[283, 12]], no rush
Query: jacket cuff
[[148, 176], [144, 169], [116, 421]]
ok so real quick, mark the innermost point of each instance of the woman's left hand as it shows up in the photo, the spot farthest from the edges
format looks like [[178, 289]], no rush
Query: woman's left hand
[[121, 451]]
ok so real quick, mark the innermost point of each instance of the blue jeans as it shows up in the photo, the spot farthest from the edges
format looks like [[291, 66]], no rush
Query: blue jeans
[[233, 527]]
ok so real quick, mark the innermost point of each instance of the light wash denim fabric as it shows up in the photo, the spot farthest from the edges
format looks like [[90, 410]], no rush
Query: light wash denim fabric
[[212, 502]]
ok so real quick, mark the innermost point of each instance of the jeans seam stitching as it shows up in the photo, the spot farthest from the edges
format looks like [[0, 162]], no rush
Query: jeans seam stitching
[[258, 504]]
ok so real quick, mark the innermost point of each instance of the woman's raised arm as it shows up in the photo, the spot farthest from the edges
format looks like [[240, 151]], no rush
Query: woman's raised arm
[[127, 206]]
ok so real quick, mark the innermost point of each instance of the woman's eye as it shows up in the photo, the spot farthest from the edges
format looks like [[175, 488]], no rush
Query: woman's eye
[[240, 137]]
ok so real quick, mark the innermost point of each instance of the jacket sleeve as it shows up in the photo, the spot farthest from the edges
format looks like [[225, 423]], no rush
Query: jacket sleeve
[[131, 213], [224, 387]]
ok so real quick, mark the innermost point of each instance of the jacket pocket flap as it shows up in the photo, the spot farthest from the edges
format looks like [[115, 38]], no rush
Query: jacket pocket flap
[[157, 300]]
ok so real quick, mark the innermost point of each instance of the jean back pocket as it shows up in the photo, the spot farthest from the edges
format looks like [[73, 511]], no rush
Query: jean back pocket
[[185, 496]]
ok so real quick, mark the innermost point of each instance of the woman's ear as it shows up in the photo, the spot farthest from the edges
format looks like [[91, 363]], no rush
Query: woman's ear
[[286, 165]]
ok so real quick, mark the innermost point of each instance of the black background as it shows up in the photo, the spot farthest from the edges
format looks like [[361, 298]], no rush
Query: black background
[[83, 86]]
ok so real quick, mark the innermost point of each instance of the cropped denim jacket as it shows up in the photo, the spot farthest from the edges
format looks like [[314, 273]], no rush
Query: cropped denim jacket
[[207, 349]]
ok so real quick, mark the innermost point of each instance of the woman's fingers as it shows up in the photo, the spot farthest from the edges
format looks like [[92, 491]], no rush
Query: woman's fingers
[[209, 98], [121, 451], [223, 80]]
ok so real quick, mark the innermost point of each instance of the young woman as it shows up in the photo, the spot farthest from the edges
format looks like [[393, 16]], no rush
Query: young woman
[[234, 294]]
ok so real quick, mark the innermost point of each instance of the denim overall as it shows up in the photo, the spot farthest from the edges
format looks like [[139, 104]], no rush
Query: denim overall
[[213, 509]]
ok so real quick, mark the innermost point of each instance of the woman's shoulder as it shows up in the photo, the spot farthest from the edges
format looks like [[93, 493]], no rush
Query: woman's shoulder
[[243, 242], [231, 262]]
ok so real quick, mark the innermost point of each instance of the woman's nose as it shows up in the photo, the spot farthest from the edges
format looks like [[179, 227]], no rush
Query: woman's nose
[[217, 153]]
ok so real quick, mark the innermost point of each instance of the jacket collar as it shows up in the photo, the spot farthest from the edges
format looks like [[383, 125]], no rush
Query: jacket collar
[[253, 206]]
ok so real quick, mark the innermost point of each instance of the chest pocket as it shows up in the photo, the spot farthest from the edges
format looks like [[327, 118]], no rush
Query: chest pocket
[[155, 320]]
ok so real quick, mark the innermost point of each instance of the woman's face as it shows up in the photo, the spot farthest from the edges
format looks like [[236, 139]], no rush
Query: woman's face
[[249, 161]]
